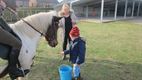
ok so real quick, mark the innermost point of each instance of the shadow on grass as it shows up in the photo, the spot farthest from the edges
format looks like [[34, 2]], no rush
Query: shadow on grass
[[47, 69], [111, 70]]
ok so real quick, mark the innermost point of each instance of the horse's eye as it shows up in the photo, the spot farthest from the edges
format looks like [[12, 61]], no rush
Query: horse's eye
[[57, 22]]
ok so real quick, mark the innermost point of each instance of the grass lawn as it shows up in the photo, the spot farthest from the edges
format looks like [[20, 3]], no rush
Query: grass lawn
[[114, 52]]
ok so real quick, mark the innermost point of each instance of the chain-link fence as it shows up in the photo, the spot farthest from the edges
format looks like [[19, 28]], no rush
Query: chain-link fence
[[23, 12]]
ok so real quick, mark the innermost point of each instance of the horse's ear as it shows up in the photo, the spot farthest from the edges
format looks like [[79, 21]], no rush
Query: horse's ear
[[57, 18]]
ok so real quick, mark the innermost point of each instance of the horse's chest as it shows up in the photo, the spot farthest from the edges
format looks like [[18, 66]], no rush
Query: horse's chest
[[27, 53]]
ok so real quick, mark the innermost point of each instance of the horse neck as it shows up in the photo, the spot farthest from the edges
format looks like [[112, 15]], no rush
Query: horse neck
[[36, 22], [39, 21], [24, 30]]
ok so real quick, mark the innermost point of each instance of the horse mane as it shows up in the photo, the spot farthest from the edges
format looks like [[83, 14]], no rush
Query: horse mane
[[41, 16], [40, 21]]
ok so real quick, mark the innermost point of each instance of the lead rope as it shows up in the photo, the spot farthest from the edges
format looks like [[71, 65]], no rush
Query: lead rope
[[18, 18]]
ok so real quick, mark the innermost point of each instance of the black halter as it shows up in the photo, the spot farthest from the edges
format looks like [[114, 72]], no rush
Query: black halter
[[50, 34]]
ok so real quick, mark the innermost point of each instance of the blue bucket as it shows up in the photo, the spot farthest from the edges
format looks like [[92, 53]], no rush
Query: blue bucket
[[65, 72]]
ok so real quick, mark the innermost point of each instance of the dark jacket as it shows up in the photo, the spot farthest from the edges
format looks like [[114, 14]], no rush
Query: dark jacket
[[4, 25], [77, 51]]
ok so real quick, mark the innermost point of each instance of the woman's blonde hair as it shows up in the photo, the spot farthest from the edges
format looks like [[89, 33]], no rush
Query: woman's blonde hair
[[65, 6]]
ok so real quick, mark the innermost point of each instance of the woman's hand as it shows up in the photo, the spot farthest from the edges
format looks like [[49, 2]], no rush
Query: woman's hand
[[61, 13], [62, 53]]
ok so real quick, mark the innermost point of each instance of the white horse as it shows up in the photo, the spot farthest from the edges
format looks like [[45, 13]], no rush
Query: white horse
[[30, 29]]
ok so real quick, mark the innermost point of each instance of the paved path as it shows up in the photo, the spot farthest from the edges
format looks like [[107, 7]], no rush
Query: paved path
[[137, 20]]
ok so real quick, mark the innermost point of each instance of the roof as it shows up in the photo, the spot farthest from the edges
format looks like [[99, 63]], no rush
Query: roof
[[90, 2], [47, 1]]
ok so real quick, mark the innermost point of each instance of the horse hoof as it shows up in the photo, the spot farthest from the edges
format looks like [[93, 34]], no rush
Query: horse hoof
[[19, 78]]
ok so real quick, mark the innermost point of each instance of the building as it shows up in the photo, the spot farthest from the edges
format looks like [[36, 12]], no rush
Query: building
[[22, 3], [107, 9], [32, 3], [40, 3], [47, 3]]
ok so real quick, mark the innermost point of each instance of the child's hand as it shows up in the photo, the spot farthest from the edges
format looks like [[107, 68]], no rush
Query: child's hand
[[62, 53], [76, 65]]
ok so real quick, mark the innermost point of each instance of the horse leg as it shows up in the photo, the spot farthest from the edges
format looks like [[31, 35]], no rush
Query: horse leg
[[19, 78], [4, 73]]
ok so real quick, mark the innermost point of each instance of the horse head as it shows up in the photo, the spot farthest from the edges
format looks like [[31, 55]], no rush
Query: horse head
[[51, 33], [47, 26]]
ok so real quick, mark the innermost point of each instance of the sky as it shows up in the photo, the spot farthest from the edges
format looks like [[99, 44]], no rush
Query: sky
[[60, 0]]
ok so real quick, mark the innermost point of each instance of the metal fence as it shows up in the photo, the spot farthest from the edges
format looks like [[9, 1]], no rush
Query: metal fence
[[23, 12]]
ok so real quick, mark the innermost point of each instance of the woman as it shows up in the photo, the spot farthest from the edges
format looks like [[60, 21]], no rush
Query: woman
[[67, 22], [7, 38]]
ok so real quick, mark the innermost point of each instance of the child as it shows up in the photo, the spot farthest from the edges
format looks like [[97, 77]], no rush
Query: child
[[77, 51]]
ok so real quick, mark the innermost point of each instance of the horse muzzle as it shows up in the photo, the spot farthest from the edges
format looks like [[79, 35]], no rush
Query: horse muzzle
[[53, 43]]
